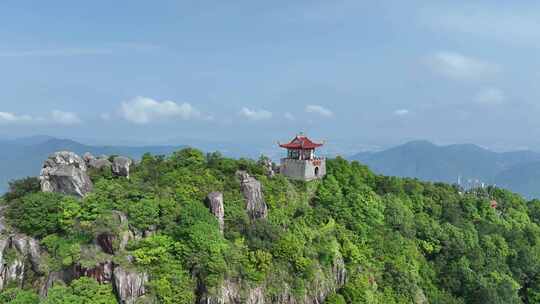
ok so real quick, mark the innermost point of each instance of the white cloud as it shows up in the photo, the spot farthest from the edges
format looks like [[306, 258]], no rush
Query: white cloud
[[65, 118], [8, 118], [401, 112], [255, 114], [457, 66], [54, 117], [490, 96], [289, 116], [142, 110], [320, 110]]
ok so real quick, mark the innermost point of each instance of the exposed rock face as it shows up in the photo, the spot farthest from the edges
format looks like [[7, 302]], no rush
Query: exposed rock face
[[28, 248], [339, 271], [65, 172], [121, 165], [129, 285], [15, 250], [106, 242], [53, 278], [214, 200], [88, 157], [101, 272], [115, 240], [99, 163], [268, 166], [152, 229], [233, 292], [251, 188], [124, 235]]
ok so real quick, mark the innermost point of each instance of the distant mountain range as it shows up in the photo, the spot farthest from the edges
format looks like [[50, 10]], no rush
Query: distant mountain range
[[469, 164], [24, 157]]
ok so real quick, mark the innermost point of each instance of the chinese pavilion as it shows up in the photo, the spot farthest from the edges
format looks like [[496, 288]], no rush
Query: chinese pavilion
[[301, 162]]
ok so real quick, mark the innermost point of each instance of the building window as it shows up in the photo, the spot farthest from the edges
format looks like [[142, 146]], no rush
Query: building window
[[295, 154]]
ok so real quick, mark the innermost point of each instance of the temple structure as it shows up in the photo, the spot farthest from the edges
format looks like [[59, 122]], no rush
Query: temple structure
[[301, 162]]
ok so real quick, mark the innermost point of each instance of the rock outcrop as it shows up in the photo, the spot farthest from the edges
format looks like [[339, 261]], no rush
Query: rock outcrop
[[116, 239], [129, 285], [251, 189], [15, 251], [268, 166], [233, 292], [87, 157], [214, 201], [65, 172], [121, 166], [106, 242], [101, 272], [99, 163]]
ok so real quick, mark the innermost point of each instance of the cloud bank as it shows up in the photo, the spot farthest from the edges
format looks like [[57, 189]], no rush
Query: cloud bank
[[458, 66], [255, 114], [143, 110], [65, 118], [54, 117], [8, 118]]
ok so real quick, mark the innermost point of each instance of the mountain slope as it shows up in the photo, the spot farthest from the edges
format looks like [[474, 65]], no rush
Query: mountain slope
[[524, 178], [426, 161], [183, 230]]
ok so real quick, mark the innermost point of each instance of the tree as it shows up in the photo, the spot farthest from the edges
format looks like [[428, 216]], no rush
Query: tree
[[81, 291], [18, 296], [21, 187], [144, 213], [170, 282], [188, 157], [37, 214]]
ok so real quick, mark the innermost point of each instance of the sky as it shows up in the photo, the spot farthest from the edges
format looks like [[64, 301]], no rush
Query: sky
[[358, 74]]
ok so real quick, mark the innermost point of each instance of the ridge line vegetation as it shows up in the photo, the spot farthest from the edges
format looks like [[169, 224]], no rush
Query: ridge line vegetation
[[400, 240]]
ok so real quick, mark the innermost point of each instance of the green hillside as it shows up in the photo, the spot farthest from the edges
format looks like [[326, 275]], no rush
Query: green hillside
[[24, 157], [429, 162], [353, 237]]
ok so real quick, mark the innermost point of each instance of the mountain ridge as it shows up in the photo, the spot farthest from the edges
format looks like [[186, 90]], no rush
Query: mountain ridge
[[24, 157], [450, 163]]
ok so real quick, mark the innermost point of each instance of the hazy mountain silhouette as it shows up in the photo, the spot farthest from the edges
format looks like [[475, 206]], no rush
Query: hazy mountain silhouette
[[24, 157], [518, 171]]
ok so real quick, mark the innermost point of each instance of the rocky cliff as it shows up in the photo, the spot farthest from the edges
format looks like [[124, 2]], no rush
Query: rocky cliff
[[236, 292], [251, 188]]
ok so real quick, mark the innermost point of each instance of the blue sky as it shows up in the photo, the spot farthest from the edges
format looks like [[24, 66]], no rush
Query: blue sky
[[362, 73]]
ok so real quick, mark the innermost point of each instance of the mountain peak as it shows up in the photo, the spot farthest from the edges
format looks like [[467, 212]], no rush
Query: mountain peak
[[427, 161]]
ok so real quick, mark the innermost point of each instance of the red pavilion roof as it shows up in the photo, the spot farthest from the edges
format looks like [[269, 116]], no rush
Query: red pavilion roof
[[301, 142]]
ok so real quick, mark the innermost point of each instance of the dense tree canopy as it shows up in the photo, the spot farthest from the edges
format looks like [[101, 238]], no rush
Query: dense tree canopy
[[401, 240]]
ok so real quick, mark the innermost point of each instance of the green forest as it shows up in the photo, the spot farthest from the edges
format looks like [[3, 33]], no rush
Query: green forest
[[354, 235]]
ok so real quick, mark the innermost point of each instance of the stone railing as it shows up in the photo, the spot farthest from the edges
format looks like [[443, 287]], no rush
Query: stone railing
[[302, 160]]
